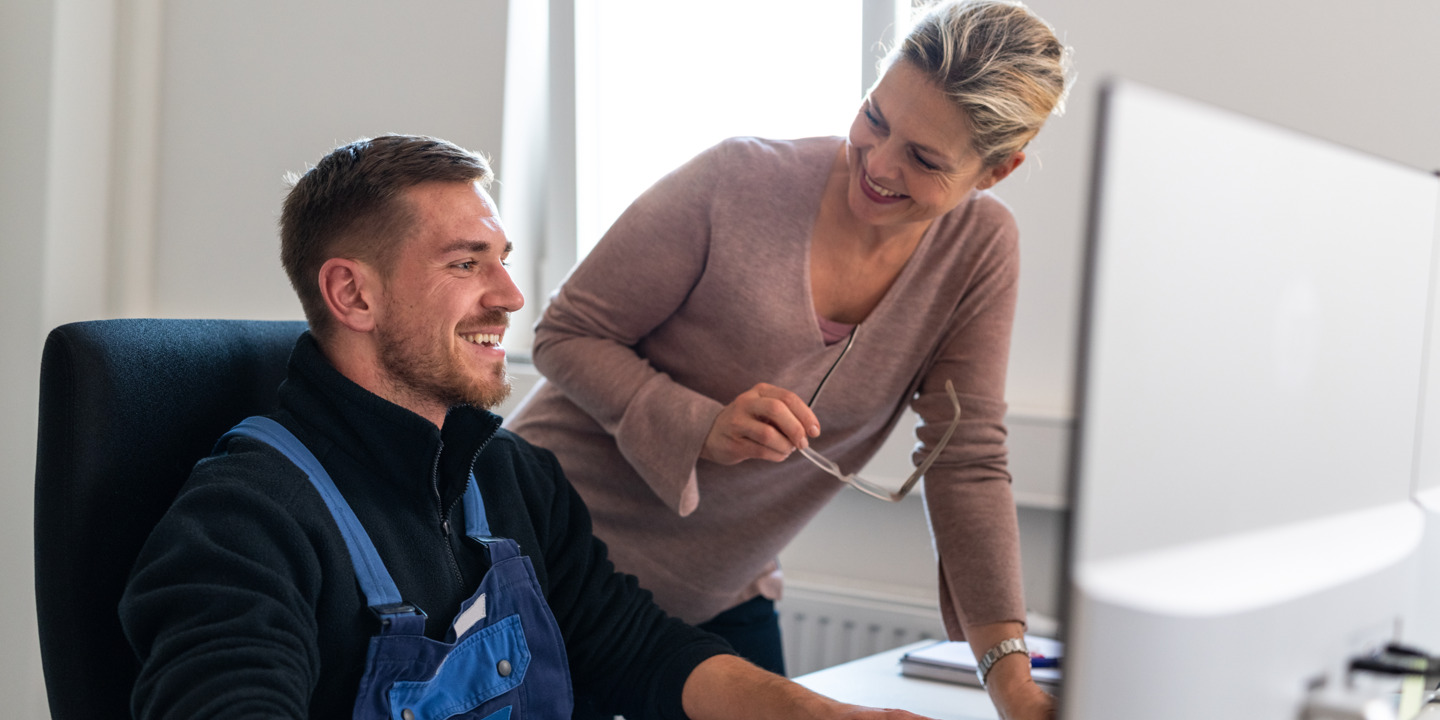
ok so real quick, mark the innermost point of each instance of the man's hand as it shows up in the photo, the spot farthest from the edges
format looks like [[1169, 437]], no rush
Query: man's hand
[[725, 687], [764, 422]]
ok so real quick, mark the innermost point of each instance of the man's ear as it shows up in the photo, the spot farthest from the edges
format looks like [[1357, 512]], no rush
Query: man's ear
[[1000, 172], [350, 289]]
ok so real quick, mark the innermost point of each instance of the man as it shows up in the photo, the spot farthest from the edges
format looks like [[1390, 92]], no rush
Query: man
[[329, 561]]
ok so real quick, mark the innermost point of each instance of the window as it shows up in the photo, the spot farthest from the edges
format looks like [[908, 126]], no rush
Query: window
[[658, 81]]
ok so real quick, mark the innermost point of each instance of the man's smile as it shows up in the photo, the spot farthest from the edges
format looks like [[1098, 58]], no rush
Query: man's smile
[[489, 339]]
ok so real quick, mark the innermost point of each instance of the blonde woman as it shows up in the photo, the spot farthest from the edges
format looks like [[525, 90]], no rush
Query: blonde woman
[[774, 296]]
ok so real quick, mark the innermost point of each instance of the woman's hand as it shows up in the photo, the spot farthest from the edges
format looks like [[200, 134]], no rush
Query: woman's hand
[[1015, 693], [764, 422], [1011, 688], [1023, 700]]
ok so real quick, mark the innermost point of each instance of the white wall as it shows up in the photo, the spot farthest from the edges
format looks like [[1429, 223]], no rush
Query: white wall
[[252, 90], [171, 123], [25, 52]]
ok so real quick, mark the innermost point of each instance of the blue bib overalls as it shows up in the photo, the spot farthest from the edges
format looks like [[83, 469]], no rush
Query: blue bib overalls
[[503, 658]]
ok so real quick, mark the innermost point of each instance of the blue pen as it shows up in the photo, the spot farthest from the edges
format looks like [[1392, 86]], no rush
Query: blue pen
[[1044, 662]]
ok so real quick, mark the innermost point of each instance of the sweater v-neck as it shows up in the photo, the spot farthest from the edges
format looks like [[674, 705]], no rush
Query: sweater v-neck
[[882, 307]]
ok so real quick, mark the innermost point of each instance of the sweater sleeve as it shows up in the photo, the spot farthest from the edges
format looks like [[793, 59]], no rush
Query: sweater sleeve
[[624, 650], [967, 490], [218, 607], [636, 278]]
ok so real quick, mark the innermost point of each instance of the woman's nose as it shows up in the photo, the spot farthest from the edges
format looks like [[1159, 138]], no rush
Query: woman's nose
[[881, 162]]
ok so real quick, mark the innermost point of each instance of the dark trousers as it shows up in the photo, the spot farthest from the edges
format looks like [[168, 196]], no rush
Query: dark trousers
[[752, 628]]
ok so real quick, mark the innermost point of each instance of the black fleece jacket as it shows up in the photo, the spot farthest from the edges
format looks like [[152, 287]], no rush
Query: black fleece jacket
[[244, 602]]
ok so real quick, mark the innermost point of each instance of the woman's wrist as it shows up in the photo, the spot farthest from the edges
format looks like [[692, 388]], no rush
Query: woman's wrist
[[1014, 692], [1008, 681], [1008, 646], [1008, 673]]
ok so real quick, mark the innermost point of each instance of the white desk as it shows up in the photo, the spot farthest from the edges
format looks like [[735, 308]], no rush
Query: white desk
[[876, 681]]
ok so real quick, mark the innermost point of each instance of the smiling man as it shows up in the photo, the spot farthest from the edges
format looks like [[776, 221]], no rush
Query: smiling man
[[379, 547]]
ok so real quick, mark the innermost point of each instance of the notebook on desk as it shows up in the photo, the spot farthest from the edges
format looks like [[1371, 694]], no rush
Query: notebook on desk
[[954, 662]]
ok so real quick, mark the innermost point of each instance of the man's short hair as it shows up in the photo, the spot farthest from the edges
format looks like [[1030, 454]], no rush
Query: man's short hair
[[352, 204]]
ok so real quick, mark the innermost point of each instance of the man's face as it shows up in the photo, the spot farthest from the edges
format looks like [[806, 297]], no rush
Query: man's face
[[446, 302]]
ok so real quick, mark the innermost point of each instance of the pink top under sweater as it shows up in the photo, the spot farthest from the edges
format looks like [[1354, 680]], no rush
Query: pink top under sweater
[[833, 331], [701, 290]]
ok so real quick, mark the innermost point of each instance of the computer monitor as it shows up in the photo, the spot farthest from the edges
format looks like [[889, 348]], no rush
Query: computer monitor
[[1422, 627], [1253, 329]]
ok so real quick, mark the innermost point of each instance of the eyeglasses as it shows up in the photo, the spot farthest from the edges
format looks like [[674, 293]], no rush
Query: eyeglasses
[[875, 490]]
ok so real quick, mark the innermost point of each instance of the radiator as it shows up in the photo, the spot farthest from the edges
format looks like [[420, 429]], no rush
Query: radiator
[[826, 625]]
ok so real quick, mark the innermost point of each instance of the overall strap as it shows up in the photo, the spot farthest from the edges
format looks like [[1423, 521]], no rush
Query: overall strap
[[477, 526], [379, 589]]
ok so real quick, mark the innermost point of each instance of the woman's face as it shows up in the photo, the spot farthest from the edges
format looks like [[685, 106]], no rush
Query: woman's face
[[909, 153]]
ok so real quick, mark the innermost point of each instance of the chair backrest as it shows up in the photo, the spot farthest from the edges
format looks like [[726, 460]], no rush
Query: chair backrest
[[126, 409]]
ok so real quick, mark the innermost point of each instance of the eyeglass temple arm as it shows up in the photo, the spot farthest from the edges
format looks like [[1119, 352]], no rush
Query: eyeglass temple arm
[[822, 462], [930, 459]]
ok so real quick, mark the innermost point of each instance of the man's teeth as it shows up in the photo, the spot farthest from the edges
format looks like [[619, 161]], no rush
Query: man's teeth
[[880, 190], [482, 338]]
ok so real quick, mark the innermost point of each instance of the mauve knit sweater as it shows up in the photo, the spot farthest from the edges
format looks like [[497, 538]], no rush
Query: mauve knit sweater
[[699, 291]]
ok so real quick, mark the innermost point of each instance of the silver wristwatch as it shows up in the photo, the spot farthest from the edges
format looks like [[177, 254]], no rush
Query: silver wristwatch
[[1001, 649]]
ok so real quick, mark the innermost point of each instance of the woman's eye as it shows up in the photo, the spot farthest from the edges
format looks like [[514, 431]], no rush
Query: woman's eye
[[871, 117], [925, 163]]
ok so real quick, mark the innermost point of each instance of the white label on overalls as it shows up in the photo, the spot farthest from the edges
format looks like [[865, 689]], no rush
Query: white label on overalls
[[471, 615]]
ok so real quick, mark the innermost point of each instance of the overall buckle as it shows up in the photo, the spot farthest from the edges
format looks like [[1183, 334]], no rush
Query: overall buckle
[[387, 613]]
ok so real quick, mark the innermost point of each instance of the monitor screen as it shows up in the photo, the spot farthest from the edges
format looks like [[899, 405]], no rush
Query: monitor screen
[[1252, 353]]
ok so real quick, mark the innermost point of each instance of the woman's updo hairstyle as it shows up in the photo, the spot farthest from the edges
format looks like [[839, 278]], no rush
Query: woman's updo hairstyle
[[998, 62]]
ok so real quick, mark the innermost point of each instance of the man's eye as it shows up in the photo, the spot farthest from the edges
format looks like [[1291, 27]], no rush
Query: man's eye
[[467, 265]]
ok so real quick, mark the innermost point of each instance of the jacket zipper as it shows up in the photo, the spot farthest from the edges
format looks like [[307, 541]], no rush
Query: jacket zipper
[[445, 512], [444, 516]]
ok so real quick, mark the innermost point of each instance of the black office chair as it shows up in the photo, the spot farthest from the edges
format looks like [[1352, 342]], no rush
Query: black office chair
[[126, 409]]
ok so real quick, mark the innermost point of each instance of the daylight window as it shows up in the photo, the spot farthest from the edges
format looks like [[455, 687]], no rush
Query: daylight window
[[658, 81]]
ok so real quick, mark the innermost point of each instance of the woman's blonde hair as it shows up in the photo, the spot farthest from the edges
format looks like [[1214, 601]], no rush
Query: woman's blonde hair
[[998, 62]]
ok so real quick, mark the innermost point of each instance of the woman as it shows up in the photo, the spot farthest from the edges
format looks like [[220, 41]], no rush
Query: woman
[[684, 356]]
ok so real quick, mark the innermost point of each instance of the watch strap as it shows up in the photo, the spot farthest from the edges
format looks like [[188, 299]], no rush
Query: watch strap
[[993, 655]]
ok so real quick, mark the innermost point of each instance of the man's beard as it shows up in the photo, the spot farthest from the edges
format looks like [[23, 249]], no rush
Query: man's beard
[[428, 371]]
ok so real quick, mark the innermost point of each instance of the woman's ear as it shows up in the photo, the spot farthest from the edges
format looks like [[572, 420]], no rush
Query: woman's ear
[[350, 289], [1000, 172]]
